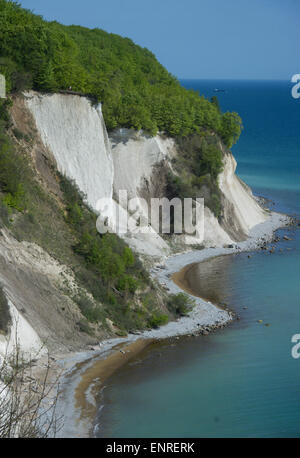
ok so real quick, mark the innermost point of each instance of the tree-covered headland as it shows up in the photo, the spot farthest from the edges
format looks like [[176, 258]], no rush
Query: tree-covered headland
[[135, 89]]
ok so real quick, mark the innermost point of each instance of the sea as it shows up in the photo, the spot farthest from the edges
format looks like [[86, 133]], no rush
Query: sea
[[244, 380]]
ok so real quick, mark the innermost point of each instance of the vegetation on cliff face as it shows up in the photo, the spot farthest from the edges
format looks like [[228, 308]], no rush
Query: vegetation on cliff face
[[120, 288], [137, 92], [197, 166], [5, 317], [14, 170], [112, 272], [135, 89]]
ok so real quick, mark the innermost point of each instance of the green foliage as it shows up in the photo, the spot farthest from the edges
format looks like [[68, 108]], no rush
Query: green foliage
[[91, 312], [84, 326], [102, 253], [135, 89], [214, 100], [113, 273], [4, 214], [4, 313], [127, 283], [5, 120], [198, 167], [230, 128], [20, 135], [202, 153], [180, 304], [15, 200], [106, 254], [158, 319], [14, 169]]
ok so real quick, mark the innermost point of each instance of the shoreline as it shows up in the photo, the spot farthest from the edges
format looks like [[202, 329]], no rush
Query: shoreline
[[179, 278], [84, 373]]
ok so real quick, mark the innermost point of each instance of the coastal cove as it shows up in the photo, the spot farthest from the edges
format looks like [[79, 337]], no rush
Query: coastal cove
[[87, 375], [117, 389], [222, 373], [97, 384], [240, 381]]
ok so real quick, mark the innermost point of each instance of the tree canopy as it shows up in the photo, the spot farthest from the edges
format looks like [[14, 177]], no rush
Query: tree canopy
[[135, 89]]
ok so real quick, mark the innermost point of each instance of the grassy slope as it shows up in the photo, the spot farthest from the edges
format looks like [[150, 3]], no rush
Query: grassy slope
[[4, 312]]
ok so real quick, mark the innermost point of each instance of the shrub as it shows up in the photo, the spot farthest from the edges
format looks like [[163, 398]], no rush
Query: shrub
[[26, 411], [158, 319], [4, 214], [127, 283], [14, 170], [5, 317], [180, 304], [84, 327], [18, 134], [90, 311], [112, 272], [197, 168]]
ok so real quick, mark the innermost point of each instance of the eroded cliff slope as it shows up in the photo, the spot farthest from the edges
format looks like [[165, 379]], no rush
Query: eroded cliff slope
[[74, 133], [68, 133]]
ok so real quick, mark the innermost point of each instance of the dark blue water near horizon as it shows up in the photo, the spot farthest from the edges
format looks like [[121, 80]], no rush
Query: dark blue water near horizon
[[268, 150], [241, 381]]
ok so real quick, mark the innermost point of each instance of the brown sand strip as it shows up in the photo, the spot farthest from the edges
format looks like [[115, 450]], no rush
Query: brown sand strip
[[102, 369], [180, 279]]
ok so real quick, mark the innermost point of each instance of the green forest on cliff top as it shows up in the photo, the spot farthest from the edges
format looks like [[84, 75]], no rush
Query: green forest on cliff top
[[135, 89]]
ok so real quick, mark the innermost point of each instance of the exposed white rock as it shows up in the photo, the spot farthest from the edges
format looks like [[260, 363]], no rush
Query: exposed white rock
[[75, 134], [214, 234], [22, 336], [241, 210], [39, 287], [31, 257], [134, 156]]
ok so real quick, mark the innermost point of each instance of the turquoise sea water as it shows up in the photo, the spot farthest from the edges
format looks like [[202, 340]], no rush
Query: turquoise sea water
[[241, 381]]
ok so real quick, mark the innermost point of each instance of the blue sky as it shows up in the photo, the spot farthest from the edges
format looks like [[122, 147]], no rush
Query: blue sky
[[243, 39]]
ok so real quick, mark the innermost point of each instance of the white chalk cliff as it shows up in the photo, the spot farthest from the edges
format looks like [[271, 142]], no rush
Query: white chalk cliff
[[75, 134], [241, 210], [75, 139]]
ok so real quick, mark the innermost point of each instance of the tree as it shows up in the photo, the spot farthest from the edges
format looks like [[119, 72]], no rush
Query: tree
[[231, 128], [27, 405], [215, 101], [135, 89]]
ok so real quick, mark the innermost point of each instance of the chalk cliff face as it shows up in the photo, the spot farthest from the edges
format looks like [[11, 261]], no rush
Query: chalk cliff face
[[38, 289], [136, 160], [241, 210], [22, 335], [75, 134], [75, 139]]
